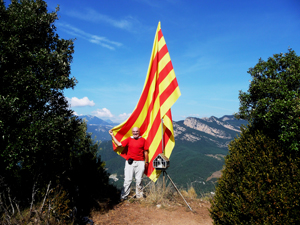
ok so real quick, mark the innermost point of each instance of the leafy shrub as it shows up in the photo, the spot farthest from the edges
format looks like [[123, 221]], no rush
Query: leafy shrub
[[272, 101], [260, 183]]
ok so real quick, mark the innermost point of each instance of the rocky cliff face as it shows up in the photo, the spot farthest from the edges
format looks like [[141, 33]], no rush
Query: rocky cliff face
[[208, 125], [217, 130], [200, 126]]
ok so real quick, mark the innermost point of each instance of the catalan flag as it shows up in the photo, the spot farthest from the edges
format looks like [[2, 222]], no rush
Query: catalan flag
[[160, 92]]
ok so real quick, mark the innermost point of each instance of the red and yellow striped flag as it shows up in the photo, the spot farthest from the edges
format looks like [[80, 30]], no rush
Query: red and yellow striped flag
[[160, 92]]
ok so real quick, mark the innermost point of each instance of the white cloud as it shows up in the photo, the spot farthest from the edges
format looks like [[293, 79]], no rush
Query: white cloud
[[194, 115], [103, 113], [93, 16], [123, 116], [128, 23], [76, 102], [102, 41], [96, 39]]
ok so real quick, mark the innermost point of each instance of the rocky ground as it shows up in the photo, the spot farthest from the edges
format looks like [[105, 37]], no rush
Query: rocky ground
[[145, 212]]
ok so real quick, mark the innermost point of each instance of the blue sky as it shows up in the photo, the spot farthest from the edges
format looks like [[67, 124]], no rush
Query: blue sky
[[212, 44]]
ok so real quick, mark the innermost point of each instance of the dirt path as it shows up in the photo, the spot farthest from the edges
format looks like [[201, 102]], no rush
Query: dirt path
[[138, 212]]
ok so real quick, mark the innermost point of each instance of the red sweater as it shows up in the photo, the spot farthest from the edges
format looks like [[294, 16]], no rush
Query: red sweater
[[136, 148]]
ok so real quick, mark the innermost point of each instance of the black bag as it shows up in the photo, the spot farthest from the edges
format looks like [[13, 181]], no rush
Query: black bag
[[130, 161]]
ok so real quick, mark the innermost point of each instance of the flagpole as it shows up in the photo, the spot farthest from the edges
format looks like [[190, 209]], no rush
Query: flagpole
[[162, 138], [162, 146]]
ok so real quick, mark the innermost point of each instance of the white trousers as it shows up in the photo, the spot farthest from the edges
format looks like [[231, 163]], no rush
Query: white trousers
[[137, 168]]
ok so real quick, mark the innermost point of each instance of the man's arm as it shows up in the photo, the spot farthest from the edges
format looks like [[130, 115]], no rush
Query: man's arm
[[146, 156], [146, 159], [114, 138]]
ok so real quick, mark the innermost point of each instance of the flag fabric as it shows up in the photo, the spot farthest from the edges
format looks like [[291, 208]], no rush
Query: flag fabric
[[160, 92]]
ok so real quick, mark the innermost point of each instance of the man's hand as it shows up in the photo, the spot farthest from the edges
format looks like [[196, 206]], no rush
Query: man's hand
[[146, 166], [114, 139]]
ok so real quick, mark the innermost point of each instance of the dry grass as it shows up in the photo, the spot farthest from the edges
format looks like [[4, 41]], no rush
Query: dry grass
[[157, 195], [207, 196], [168, 197], [190, 193], [52, 210]]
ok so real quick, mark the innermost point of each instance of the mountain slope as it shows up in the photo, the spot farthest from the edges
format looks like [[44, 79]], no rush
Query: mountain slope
[[200, 148]]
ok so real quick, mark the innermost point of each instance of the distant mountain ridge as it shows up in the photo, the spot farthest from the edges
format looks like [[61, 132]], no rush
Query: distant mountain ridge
[[98, 127], [220, 131], [227, 121], [95, 120], [197, 158]]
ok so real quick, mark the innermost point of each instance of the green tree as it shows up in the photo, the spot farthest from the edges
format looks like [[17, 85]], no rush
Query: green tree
[[40, 139], [260, 181], [272, 102], [35, 69]]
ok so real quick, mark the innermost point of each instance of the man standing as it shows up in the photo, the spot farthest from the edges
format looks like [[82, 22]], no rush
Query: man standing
[[136, 161]]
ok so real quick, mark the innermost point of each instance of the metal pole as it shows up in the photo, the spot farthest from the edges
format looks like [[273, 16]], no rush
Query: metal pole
[[162, 138], [178, 190], [141, 190], [162, 146], [164, 182]]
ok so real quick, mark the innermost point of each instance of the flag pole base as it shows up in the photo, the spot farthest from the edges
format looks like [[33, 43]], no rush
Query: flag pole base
[[165, 172]]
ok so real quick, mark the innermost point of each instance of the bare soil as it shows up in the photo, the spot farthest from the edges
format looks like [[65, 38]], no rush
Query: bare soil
[[216, 174], [141, 212]]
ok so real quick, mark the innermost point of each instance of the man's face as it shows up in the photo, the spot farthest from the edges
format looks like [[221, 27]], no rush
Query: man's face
[[135, 132]]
